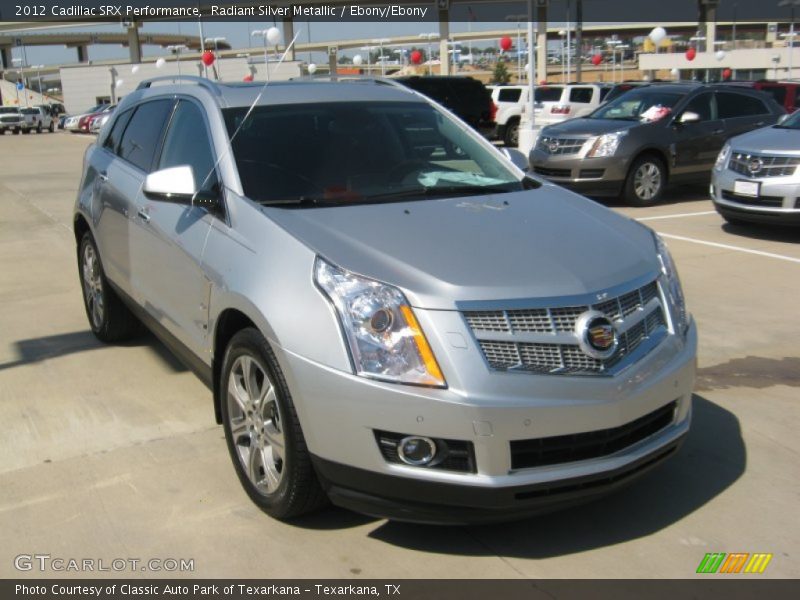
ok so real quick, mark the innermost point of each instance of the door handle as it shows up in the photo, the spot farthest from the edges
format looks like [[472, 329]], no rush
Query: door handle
[[102, 176], [143, 214]]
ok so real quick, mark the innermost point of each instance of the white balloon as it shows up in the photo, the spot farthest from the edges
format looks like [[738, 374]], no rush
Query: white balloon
[[119, 83], [135, 69], [312, 68], [160, 63], [674, 71], [657, 35], [719, 54], [358, 60], [274, 36]]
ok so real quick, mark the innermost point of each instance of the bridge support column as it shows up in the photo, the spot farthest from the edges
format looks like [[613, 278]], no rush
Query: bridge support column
[[444, 46], [288, 36], [5, 58], [134, 44], [83, 53]]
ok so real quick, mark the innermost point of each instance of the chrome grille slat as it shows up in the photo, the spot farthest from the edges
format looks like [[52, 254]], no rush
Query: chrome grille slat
[[770, 166], [559, 146], [519, 339]]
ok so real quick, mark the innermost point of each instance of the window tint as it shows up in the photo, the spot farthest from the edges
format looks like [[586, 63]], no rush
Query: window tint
[[140, 140], [188, 143], [548, 94], [112, 141], [582, 95], [779, 93], [702, 106], [732, 105], [509, 95]]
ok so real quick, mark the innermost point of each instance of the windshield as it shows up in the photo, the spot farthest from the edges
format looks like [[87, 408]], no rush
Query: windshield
[[638, 105], [792, 122], [6, 110], [360, 152]]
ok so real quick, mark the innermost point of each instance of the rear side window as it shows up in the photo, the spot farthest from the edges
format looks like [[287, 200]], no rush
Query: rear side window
[[779, 93], [188, 143], [548, 94], [582, 95], [143, 133], [509, 95], [701, 105], [730, 105], [112, 140]]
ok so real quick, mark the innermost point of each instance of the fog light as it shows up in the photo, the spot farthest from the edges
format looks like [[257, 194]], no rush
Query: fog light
[[416, 450]]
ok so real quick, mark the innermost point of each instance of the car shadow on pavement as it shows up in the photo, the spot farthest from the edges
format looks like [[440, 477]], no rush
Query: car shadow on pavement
[[711, 460], [766, 233], [690, 192], [35, 350]]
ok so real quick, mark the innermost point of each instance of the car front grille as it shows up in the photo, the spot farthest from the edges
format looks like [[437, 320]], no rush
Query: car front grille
[[761, 165], [524, 339], [526, 454], [560, 146], [772, 201]]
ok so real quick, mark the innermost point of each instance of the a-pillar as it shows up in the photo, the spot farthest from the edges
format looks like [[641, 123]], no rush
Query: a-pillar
[[444, 46], [83, 53], [541, 42], [288, 35], [134, 44]]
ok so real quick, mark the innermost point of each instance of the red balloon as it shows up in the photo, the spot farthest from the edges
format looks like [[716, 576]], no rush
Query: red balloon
[[597, 59], [506, 43], [248, 78], [416, 57], [207, 58], [726, 73], [691, 53], [543, 82]]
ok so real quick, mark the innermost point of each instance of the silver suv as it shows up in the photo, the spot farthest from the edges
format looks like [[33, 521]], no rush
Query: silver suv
[[757, 175], [390, 313]]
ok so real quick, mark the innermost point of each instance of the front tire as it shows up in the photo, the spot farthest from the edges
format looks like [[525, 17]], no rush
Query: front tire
[[262, 430], [645, 182], [109, 318]]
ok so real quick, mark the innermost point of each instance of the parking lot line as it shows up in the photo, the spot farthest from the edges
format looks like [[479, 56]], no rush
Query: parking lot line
[[729, 247], [678, 216]]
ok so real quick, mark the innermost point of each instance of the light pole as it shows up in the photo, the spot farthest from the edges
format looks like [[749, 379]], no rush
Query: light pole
[[176, 49], [381, 42], [562, 33], [429, 37], [791, 4], [519, 20], [622, 48], [39, 78], [271, 36], [613, 43], [17, 62], [215, 41]]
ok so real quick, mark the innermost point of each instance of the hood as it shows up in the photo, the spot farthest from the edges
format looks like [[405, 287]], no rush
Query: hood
[[533, 244], [769, 140], [589, 127]]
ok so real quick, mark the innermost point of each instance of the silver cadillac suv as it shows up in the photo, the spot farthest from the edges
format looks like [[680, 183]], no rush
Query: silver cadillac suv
[[757, 176], [391, 315]]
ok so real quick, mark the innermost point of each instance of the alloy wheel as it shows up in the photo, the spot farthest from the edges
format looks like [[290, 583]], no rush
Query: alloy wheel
[[93, 285], [647, 181]]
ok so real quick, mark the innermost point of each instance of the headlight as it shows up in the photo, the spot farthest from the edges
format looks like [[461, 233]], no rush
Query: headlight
[[722, 157], [606, 144], [383, 335], [672, 287]]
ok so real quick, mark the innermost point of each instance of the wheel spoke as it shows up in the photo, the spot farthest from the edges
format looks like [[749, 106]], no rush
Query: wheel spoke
[[254, 460], [237, 393], [274, 438], [249, 369]]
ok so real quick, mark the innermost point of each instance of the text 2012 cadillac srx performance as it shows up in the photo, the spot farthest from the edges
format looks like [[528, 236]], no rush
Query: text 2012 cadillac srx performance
[[391, 315]]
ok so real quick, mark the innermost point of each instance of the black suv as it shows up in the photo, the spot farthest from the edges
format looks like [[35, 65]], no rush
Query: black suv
[[468, 98], [649, 136]]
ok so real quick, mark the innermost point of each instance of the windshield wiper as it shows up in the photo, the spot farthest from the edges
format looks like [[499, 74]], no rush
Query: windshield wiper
[[433, 191]]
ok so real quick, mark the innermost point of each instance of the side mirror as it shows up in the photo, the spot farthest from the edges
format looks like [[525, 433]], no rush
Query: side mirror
[[175, 184], [517, 158], [689, 117], [782, 118]]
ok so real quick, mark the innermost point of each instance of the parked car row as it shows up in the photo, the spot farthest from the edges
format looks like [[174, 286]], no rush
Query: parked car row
[[88, 121], [26, 119]]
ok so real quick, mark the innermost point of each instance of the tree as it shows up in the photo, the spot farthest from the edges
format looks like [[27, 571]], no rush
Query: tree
[[501, 75]]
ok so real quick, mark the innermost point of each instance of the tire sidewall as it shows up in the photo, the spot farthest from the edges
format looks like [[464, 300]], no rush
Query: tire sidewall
[[250, 342], [630, 193]]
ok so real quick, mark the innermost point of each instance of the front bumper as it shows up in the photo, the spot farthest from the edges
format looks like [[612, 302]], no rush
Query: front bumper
[[603, 176], [340, 413], [778, 201]]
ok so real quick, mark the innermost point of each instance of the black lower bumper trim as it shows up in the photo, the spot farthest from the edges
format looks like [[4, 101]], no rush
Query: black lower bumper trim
[[760, 217], [404, 499]]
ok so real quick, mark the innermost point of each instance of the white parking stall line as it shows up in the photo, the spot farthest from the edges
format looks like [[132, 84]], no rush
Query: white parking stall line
[[729, 247], [679, 215]]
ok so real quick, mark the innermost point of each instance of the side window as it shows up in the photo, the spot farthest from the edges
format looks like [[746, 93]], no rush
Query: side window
[[188, 143], [702, 106], [143, 133], [779, 93], [509, 95], [732, 105], [582, 95], [112, 140]]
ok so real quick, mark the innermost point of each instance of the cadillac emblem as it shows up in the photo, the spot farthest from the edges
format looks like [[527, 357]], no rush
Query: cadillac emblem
[[597, 336], [755, 165]]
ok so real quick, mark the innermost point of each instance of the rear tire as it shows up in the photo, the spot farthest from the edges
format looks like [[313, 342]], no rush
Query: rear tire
[[511, 137], [645, 182], [262, 430], [39, 127], [109, 318]]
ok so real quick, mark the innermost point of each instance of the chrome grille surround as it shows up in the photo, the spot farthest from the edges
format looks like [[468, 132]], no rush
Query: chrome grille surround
[[768, 166], [543, 340], [558, 146]]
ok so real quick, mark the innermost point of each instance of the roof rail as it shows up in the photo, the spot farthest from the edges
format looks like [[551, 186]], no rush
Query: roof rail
[[201, 81]]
